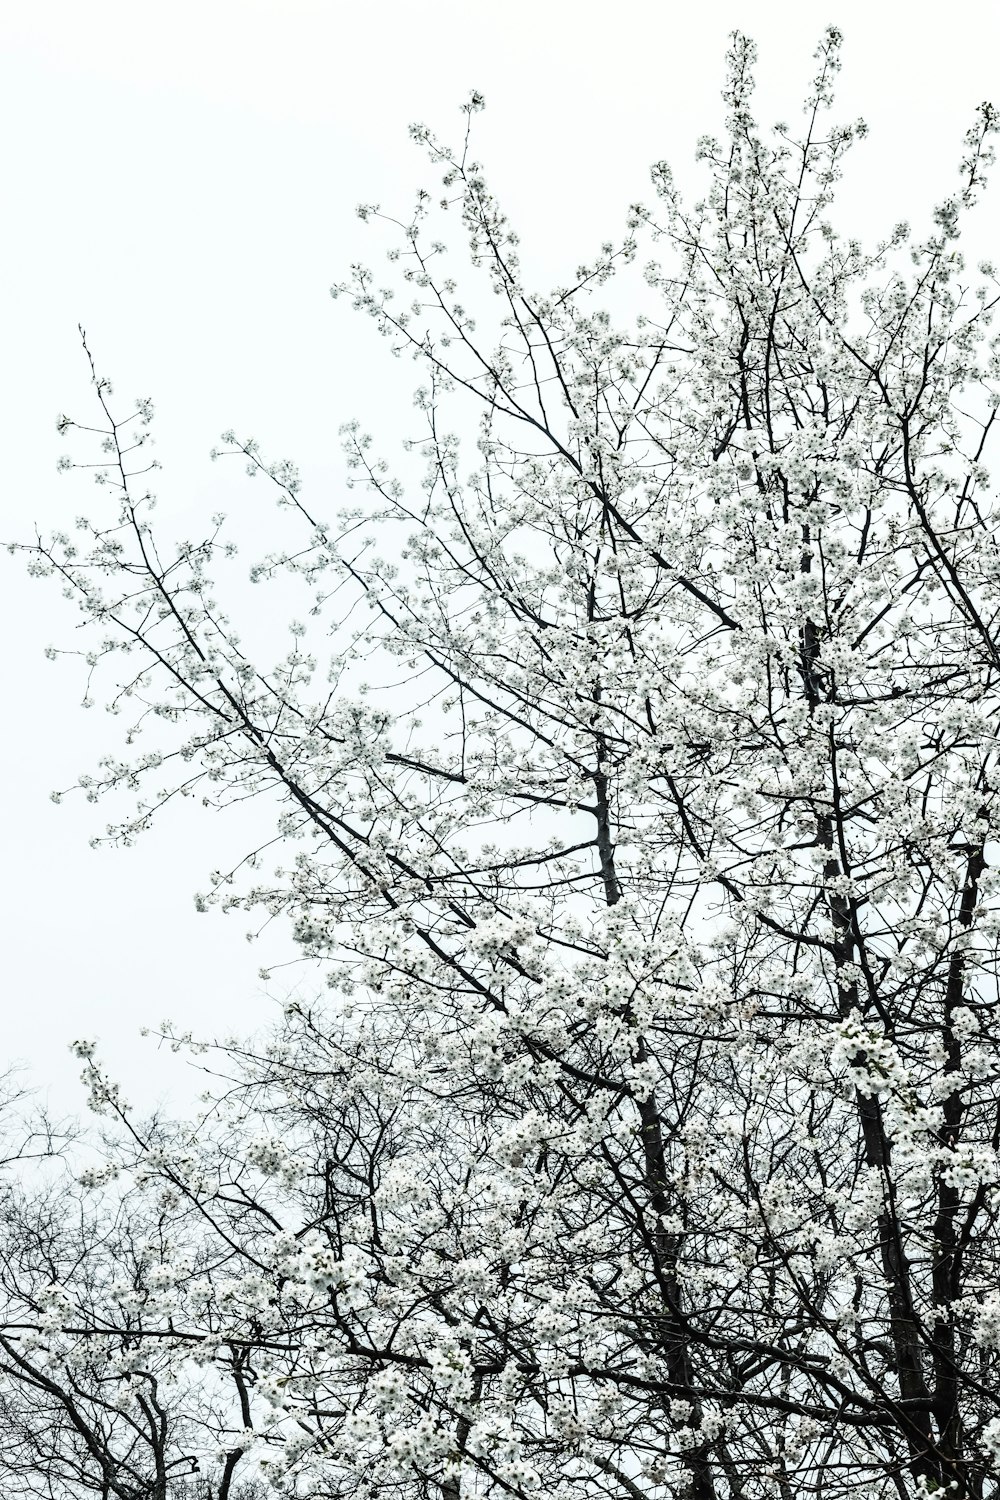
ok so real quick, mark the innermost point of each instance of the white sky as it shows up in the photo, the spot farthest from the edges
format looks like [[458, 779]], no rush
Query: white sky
[[181, 178]]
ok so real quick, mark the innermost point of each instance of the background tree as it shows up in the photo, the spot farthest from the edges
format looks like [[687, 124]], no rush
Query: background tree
[[97, 1394], [647, 1144]]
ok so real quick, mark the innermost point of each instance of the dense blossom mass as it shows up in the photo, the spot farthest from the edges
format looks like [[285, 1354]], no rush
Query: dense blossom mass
[[634, 781]]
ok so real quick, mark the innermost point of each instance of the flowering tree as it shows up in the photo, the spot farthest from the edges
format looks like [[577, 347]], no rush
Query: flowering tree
[[97, 1395], [646, 1143]]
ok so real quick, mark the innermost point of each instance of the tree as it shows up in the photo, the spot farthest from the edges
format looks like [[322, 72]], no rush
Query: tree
[[647, 1141], [98, 1397]]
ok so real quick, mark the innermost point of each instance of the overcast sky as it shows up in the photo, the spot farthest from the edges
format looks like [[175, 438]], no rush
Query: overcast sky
[[181, 178]]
